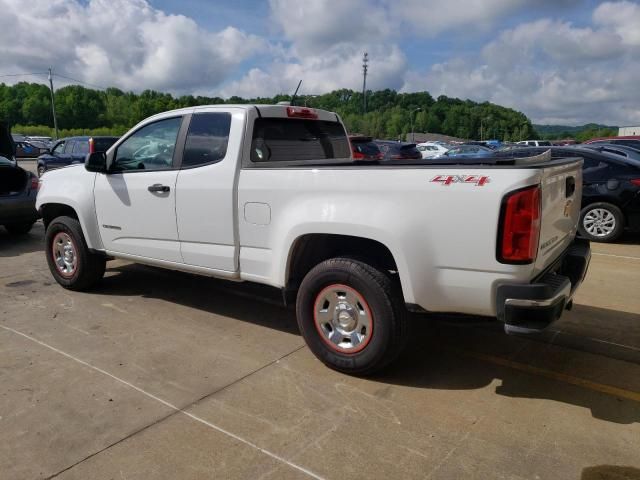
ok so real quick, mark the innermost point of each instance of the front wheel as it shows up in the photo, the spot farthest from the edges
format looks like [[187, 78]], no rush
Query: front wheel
[[352, 316], [601, 222], [71, 263]]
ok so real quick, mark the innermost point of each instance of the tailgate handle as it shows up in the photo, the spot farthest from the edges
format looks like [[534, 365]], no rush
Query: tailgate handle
[[570, 187]]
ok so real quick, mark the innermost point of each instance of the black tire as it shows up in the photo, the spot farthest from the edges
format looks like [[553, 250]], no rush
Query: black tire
[[611, 209], [383, 297], [19, 228], [41, 170], [89, 268]]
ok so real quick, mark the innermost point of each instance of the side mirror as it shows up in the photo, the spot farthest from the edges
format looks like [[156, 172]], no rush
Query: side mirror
[[96, 162]]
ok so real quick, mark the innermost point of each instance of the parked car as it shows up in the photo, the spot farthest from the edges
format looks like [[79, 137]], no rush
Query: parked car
[[467, 151], [611, 191], [629, 141], [398, 150], [18, 189], [629, 153], [431, 149], [490, 144], [354, 245], [364, 148], [72, 150], [535, 143], [29, 150]]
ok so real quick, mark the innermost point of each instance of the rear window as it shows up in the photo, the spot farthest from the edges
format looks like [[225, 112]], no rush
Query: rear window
[[287, 140], [81, 148], [207, 139], [366, 148], [103, 144]]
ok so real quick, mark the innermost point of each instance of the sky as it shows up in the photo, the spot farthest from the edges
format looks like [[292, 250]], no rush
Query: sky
[[565, 62]]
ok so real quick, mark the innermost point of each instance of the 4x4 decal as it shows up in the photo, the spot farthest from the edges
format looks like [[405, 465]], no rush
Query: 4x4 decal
[[476, 180]]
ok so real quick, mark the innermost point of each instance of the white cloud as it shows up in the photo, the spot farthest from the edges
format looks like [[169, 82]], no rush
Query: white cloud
[[338, 67], [124, 43], [552, 70]]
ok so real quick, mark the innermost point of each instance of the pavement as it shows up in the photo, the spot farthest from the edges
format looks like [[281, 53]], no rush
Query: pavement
[[158, 374]]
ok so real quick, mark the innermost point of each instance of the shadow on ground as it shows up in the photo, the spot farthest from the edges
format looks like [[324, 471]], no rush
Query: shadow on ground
[[433, 359], [15, 245]]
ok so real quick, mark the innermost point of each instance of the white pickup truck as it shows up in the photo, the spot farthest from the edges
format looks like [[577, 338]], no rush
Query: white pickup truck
[[270, 194]]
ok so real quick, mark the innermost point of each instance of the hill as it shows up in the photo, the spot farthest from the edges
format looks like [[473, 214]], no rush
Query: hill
[[580, 133], [390, 114]]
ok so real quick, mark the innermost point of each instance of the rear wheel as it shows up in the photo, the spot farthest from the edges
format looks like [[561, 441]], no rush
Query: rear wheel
[[70, 261], [19, 228], [601, 222], [352, 316]]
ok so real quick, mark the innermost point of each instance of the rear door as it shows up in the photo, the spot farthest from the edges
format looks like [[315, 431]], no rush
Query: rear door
[[205, 191], [58, 157], [80, 151]]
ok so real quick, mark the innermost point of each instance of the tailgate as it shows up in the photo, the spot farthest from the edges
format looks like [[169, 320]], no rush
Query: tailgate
[[561, 199]]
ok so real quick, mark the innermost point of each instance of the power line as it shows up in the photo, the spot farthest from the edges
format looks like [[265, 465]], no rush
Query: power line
[[80, 81], [21, 74]]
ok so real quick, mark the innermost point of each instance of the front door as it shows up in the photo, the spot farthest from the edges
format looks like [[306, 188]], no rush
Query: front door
[[136, 201]]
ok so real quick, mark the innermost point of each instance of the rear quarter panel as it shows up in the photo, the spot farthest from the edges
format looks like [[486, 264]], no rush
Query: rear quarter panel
[[443, 237]]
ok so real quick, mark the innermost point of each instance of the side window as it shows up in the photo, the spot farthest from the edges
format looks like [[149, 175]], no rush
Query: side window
[[58, 149], [150, 148], [207, 139], [68, 148], [81, 148]]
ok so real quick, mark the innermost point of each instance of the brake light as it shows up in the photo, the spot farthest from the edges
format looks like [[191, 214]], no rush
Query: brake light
[[35, 184], [358, 155], [301, 112], [92, 146], [636, 182], [520, 226]]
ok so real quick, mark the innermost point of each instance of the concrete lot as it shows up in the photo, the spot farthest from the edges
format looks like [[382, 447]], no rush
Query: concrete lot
[[158, 374]]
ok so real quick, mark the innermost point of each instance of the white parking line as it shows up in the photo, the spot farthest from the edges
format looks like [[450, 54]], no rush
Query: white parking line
[[616, 256], [170, 405]]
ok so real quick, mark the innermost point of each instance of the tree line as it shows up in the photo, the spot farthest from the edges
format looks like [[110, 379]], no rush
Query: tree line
[[390, 114]]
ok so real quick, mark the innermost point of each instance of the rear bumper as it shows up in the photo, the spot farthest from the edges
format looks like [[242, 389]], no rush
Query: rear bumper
[[533, 307], [18, 209]]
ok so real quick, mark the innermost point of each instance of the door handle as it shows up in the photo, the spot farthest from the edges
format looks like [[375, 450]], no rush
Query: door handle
[[156, 187]]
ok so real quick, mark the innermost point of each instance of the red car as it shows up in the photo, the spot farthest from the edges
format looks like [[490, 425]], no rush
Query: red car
[[363, 148]]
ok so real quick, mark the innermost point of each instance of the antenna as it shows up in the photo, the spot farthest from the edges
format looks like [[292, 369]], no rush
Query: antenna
[[296, 92], [365, 68]]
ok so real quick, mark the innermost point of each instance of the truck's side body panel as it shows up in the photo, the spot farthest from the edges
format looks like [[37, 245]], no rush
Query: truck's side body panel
[[442, 237]]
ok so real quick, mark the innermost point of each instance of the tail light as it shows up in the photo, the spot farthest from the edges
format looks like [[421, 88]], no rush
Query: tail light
[[92, 145], [358, 155], [301, 112], [520, 226], [636, 182], [35, 184]]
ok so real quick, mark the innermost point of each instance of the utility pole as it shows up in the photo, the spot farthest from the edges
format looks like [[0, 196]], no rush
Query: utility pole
[[53, 104], [413, 135], [365, 68]]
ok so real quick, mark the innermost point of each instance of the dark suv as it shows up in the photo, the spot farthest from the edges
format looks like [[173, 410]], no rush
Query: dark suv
[[72, 150], [398, 150], [610, 192]]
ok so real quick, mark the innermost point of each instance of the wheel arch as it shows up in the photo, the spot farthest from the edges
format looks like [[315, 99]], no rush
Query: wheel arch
[[310, 249]]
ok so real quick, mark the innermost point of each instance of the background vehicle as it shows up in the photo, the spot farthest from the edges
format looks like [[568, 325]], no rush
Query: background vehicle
[[271, 194], [363, 148], [535, 143], [629, 153], [468, 151], [431, 149], [611, 191], [29, 150], [630, 141], [398, 150], [18, 189], [72, 150]]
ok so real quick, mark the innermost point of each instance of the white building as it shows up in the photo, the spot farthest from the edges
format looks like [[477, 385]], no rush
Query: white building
[[627, 131]]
